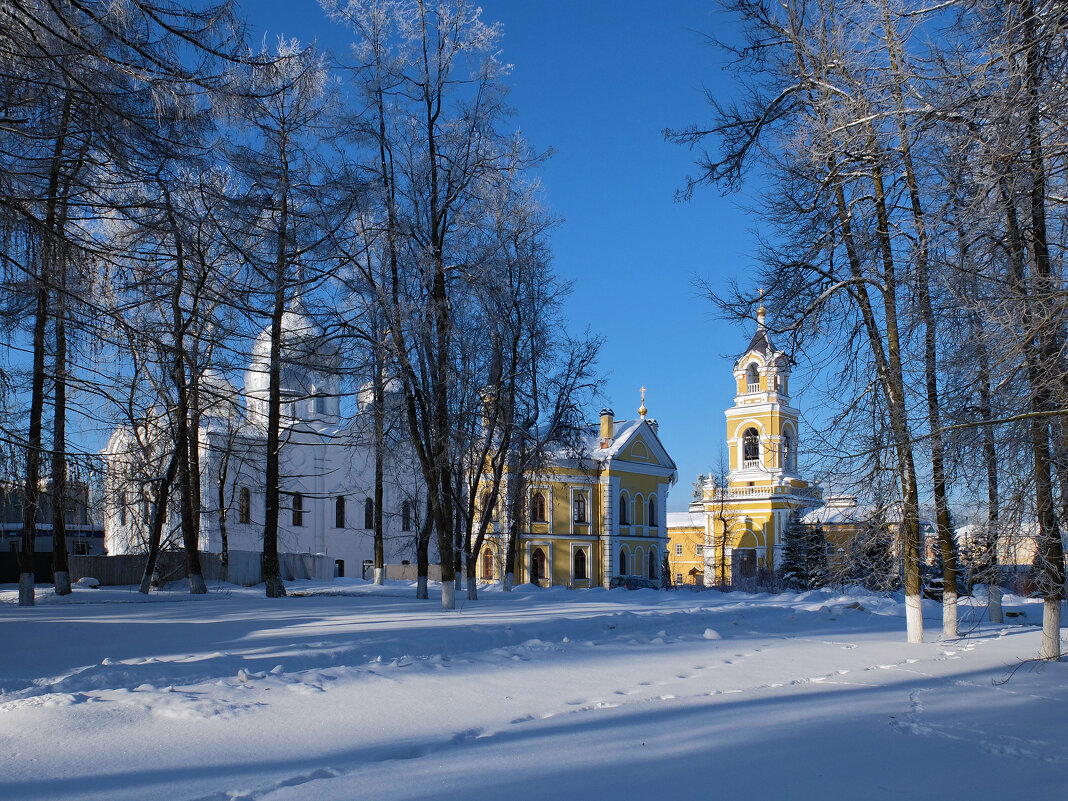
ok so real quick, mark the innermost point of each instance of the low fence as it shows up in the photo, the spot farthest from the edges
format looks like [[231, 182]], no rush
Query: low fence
[[405, 572], [244, 567]]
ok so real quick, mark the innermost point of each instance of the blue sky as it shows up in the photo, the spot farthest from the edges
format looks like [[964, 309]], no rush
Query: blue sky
[[597, 82]]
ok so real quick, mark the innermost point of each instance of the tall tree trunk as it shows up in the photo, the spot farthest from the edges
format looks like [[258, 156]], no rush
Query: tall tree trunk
[[32, 487], [379, 414], [930, 355], [1038, 427], [224, 537], [34, 444], [887, 354], [1051, 550], [194, 441], [989, 556], [272, 574], [182, 445], [60, 560], [472, 568], [422, 556], [899, 426], [161, 498]]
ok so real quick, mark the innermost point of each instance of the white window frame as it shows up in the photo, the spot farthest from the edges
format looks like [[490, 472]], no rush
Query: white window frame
[[575, 548]]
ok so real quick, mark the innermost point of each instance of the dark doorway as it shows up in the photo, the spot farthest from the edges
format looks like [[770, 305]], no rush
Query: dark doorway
[[744, 563], [537, 565]]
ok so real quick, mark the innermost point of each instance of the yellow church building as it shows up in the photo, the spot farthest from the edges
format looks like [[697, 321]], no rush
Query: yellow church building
[[595, 516], [743, 521]]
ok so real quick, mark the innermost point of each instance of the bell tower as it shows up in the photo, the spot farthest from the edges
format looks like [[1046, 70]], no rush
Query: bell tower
[[762, 426], [745, 519]]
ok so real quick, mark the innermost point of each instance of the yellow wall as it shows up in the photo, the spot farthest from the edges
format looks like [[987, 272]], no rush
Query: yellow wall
[[690, 538]]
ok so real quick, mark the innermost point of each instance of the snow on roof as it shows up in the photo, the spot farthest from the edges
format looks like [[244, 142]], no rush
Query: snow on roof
[[622, 432], [685, 520]]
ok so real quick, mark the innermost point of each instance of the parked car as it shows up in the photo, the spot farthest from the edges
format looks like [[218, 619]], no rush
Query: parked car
[[633, 583], [933, 583]]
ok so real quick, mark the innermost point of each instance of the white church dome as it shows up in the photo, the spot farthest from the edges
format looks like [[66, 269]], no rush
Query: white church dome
[[310, 371], [218, 396], [393, 392]]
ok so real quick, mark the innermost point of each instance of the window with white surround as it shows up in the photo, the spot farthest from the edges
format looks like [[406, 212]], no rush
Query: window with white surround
[[537, 507], [580, 570], [678, 549], [699, 550], [298, 509], [578, 501], [789, 451], [750, 448], [244, 506]]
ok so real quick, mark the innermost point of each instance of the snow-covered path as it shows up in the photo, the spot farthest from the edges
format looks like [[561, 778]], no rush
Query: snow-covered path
[[353, 691]]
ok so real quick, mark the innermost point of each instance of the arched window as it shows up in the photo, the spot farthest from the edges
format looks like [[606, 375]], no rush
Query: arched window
[[752, 377], [537, 565], [369, 513], [244, 506], [789, 455], [623, 518], [622, 562], [487, 564], [339, 512], [537, 507], [652, 563], [639, 510], [406, 516], [298, 509], [654, 521], [122, 508], [487, 508], [579, 502], [750, 448], [579, 570]]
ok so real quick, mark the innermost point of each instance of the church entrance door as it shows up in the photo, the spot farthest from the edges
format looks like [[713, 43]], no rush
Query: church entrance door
[[744, 563]]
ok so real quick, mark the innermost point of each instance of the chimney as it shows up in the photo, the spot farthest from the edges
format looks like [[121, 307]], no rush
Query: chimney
[[608, 427]]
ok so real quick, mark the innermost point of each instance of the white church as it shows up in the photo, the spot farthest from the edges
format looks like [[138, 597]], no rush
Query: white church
[[326, 463]]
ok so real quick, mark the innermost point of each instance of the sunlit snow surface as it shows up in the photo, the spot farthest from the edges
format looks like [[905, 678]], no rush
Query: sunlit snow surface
[[351, 691]]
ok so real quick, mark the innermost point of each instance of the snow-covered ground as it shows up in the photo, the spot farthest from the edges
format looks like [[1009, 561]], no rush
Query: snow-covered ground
[[351, 691]]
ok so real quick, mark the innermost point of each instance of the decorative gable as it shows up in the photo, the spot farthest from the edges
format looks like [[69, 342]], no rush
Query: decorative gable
[[638, 452]]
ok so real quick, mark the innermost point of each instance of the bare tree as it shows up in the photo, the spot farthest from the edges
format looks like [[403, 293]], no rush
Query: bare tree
[[436, 103], [284, 223]]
